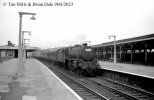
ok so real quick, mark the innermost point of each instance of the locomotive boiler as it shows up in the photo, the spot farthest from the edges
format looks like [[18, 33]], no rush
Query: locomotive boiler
[[81, 52]]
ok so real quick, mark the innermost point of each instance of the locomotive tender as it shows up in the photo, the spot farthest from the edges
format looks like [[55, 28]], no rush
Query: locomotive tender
[[79, 59]]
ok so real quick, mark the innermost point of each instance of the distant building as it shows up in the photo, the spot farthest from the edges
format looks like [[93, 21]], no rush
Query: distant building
[[10, 50]]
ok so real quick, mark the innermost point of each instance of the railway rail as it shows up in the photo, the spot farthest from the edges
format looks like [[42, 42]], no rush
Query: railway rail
[[132, 92], [98, 88], [82, 90]]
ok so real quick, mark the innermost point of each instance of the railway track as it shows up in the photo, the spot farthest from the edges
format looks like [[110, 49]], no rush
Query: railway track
[[127, 90], [97, 88], [82, 90]]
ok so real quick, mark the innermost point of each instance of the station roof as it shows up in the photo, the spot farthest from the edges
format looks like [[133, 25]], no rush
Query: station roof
[[6, 47], [129, 40]]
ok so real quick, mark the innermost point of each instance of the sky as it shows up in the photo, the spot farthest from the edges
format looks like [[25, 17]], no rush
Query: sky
[[83, 20]]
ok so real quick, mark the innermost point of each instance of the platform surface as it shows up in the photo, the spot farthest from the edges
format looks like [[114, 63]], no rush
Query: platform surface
[[139, 70], [36, 83]]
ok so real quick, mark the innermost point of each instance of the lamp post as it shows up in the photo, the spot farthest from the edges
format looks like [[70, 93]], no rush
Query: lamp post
[[115, 58], [23, 35], [20, 47], [23, 42], [26, 39], [24, 48]]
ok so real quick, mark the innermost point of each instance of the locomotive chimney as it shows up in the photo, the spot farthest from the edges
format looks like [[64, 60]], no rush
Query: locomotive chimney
[[84, 44]]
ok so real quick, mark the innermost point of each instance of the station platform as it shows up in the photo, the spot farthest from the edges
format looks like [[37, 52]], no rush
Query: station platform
[[36, 83], [134, 69]]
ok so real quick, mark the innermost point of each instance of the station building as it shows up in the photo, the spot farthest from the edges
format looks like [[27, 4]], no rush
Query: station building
[[10, 50]]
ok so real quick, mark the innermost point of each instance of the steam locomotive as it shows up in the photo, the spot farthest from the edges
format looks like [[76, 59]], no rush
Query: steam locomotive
[[79, 59]]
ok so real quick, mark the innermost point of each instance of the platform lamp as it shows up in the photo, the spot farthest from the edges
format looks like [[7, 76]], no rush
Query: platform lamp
[[115, 58], [20, 47]]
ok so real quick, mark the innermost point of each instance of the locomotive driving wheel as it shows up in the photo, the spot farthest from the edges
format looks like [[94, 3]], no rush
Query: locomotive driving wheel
[[69, 65], [80, 63]]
